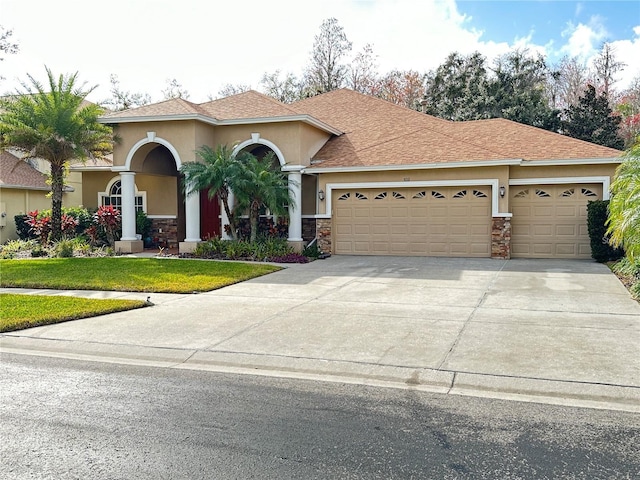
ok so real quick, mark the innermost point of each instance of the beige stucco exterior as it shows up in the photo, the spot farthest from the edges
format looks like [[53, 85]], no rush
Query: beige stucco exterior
[[18, 201]]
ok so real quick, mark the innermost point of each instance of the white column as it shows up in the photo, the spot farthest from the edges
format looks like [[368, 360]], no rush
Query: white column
[[192, 217], [295, 211], [128, 210]]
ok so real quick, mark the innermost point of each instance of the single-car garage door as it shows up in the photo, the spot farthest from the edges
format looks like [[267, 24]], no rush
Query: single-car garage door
[[442, 221], [550, 221]]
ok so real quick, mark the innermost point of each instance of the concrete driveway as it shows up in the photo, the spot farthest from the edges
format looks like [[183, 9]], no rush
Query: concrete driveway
[[545, 330]]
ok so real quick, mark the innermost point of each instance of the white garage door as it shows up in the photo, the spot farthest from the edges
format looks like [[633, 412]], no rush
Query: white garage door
[[550, 221], [443, 221]]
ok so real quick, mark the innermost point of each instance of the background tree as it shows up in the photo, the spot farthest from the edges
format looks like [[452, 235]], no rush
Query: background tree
[[124, 100], [518, 90], [54, 123], [285, 89], [7, 47], [363, 72], [606, 67], [593, 120], [458, 88], [624, 206], [327, 70], [174, 90], [230, 89], [404, 88], [567, 83], [628, 107]]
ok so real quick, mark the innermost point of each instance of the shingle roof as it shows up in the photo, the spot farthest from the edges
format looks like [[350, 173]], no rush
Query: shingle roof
[[173, 106], [15, 172], [529, 143], [379, 133], [249, 104]]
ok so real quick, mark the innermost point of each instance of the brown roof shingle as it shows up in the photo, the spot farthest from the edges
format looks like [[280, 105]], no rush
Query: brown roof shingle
[[173, 106], [15, 172], [250, 104], [379, 133]]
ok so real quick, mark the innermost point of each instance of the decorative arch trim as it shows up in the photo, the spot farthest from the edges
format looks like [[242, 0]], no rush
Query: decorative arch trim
[[150, 138], [255, 139]]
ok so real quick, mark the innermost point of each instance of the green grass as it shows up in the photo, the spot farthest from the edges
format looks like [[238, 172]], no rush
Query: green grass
[[24, 311], [127, 274]]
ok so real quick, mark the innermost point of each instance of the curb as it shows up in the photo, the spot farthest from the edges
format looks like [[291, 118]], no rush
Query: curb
[[556, 392]]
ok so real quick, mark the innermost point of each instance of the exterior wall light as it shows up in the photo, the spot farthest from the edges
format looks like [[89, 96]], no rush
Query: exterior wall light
[[502, 190], [321, 195]]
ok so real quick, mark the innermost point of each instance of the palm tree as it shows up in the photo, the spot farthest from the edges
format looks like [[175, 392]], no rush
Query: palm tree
[[56, 124], [624, 206], [259, 185], [216, 173]]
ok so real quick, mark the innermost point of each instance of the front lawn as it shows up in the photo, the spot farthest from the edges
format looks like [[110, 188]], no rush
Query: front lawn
[[127, 274], [25, 311]]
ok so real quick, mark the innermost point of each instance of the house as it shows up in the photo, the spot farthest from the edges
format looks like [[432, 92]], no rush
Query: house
[[24, 188], [369, 177]]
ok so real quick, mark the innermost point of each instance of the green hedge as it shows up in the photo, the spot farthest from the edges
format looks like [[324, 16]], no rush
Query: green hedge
[[601, 250]]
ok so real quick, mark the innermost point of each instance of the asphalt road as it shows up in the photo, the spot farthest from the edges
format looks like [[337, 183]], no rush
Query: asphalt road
[[65, 419]]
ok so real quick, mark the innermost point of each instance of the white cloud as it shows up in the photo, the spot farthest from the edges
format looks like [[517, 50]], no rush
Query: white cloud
[[205, 45], [583, 40]]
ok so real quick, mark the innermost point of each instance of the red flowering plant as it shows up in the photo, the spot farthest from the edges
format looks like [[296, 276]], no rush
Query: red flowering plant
[[109, 220], [39, 225]]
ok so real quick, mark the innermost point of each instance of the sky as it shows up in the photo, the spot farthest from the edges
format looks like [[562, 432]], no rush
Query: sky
[[207, 44]]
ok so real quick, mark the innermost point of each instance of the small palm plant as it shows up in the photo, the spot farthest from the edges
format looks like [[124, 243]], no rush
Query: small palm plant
[[624, 206], [259, 185], [216, 172]]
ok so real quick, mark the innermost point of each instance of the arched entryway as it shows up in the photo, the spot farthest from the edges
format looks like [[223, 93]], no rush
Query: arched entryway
[[153, 165], [261, 147]]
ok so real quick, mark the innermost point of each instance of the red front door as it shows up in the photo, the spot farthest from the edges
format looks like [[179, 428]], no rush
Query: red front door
[[209, 216]]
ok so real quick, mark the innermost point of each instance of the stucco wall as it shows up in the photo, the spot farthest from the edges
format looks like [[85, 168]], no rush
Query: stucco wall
[[500, 172], [15, 201]]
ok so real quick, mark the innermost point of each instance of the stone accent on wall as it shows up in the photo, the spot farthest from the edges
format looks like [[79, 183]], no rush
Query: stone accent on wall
[[308, 229], [501, 238], [168, 237], [323, 232]]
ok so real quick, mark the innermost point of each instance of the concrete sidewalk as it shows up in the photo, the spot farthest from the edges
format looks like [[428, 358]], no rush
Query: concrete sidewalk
[[554, 331]]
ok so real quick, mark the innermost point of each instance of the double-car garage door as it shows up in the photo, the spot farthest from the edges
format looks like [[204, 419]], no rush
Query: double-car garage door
[[444, 221], [548, 221]]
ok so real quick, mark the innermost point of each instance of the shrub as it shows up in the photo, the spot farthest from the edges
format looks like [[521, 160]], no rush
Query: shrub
[[212, 248], [63, 248], [601, 250], [13, 247], [266, 228], [108, 219], [312, 251], [143, 224], [23, 229], [290, 258]]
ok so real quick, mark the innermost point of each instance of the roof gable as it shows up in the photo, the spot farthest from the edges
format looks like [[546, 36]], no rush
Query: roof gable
[[250, 104], [173, 106]]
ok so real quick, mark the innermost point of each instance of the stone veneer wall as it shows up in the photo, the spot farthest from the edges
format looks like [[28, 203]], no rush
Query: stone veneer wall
[[501, 238], [323, 232], [308, 229], [169, 236]]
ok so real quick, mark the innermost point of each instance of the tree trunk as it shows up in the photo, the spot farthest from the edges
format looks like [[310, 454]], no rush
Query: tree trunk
[[57, 185], [253, 217], [223, 193]]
